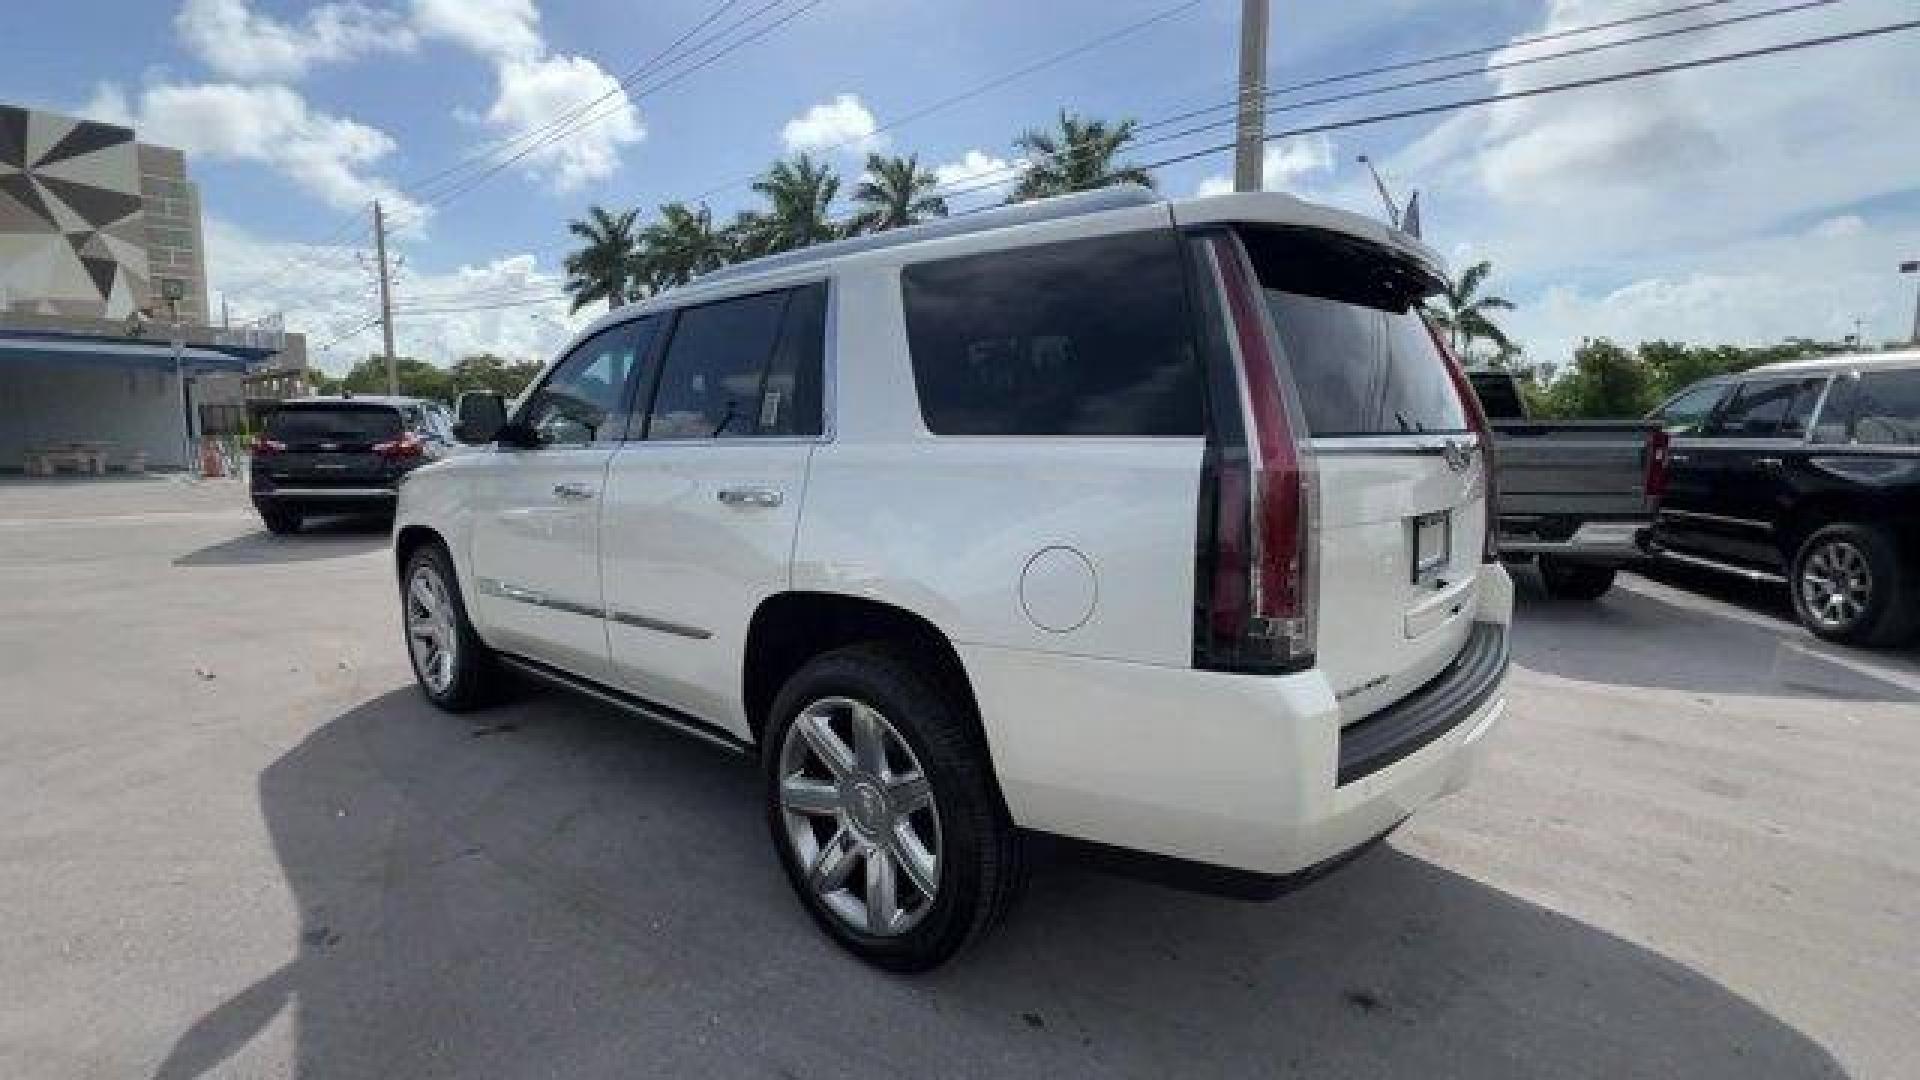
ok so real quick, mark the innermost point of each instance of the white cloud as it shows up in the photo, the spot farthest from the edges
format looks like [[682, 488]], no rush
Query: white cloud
[[1284, 166], [843, 123], [244, 44], [536, 92], [501, 29], [1684, 205], [328, 156], [978, 167], [328, 291]]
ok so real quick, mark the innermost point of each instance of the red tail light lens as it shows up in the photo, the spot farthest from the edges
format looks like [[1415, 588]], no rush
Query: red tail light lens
[[402, 448], [1659, 461], [1259, 592], [1477, 420], [263, 446]]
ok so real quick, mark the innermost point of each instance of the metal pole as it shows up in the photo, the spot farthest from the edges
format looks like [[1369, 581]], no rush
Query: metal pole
[[1912, 266], [1251, 126], [1393, 212], [386, 297], [187, 460]]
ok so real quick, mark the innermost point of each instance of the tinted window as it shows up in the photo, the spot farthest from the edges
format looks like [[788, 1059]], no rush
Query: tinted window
[[744, 368], [1499, 395], [1687, 414], [342, 423], [1351, 333], [1888, 408], [584, 400], [1769, 409], [1086, 337]]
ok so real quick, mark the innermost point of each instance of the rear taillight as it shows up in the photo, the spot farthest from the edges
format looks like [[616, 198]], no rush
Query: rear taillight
[[1659, 461], [1483, 431], [400, 449], [262, 446], [1257, 547]]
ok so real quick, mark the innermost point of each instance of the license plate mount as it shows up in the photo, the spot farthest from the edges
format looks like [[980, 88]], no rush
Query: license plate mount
[[1432, 544]]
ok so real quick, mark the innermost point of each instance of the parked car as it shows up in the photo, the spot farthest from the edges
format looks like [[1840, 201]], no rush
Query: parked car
[[1806, 472], [342, 455], [1577, 497], [1154, 531]]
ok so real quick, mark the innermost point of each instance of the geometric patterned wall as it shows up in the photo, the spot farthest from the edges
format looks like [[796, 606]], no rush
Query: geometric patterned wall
[[71, 228]]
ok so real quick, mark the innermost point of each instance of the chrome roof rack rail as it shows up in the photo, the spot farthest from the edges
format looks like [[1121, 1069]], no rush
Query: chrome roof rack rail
[[1116, 197]]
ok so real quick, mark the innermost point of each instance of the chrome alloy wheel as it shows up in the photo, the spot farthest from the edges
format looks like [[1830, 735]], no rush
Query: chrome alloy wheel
[[1836, 584], [853, 796], [431, 633]]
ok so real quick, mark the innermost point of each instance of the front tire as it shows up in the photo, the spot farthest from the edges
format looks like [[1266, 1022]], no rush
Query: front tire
[[1849, 585], [453, 667], [281, 522], [883, 809], [1575, 581]]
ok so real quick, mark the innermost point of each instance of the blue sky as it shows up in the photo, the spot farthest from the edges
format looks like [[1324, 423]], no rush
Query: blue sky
[[1744, 203]]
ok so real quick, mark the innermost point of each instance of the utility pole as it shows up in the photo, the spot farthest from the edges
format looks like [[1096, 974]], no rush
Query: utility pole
[[1251, 126], [386, 297], [1912, 266]]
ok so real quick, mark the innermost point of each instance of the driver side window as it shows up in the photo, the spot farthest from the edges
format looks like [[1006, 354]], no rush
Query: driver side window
[[584, 401]]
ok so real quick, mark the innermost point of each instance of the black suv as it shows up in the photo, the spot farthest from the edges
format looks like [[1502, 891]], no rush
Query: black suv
[[342, 455], [1807, 472]]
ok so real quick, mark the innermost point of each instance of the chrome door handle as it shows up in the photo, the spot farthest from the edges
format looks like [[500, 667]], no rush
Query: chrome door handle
[[1767, 462], [573, 491], [750, 496], [1679, 459]]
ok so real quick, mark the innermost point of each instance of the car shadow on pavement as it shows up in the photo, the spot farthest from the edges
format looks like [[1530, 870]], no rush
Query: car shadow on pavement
[[549, 889], [1652, 634], [321, 538]]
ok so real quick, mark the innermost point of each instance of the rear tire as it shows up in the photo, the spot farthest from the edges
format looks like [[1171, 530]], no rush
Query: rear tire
[[1573, 580], [452, 666], [839, 809], [1850, 585], [281, 522]]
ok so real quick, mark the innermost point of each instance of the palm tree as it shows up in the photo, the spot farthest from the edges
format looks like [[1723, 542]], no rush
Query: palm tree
[[603, 269], [682, 245], [1077, 157], [799, 191], [896, 191], [1462, 311]]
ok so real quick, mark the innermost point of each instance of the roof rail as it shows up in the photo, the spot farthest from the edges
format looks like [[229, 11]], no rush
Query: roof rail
[[1032, 212]]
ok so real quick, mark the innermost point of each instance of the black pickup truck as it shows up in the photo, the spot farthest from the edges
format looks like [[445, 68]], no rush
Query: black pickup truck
[[1576, 497], [1806, 472]]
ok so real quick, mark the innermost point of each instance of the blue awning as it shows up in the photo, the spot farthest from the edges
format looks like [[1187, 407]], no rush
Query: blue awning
[[152, 355]]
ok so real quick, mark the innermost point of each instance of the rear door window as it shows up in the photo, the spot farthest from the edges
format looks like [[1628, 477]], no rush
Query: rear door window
[[1079, 338], [1887, 409], [1768, 409], [1687, 413], [345, 424], [1351, 332], [748, 367]]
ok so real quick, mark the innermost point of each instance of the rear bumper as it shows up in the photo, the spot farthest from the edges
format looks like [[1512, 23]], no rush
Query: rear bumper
[[324, 499], [1610, 541], [1250, 778]]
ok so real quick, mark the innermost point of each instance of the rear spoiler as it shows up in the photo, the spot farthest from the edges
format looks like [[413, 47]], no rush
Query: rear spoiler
[[1275, 208]]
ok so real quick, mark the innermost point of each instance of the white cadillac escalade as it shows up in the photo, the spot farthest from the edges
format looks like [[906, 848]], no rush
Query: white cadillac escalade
[[1156, 530]]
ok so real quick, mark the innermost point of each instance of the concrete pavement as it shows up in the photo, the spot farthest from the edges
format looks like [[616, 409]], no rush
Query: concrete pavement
[[238, 843]]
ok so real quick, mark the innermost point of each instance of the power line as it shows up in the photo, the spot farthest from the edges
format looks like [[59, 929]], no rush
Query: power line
[[1554, 88], [1004, 174], [990, 85]]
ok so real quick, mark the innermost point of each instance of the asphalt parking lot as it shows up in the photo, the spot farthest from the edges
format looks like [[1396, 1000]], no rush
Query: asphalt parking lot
[[237, 843]]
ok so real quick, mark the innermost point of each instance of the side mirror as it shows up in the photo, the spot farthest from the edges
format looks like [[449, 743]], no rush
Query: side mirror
[[479, 417]]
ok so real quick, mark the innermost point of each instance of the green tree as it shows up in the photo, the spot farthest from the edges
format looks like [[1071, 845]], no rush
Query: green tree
[[1078, 156], [682, 245], [417, 378], [896, 191], [1461, 310], [1605, 381], [485, 371], [604, 268], [799, 192]]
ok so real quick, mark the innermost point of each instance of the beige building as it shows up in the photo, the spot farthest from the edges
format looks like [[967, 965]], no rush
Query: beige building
[[106, 338]]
